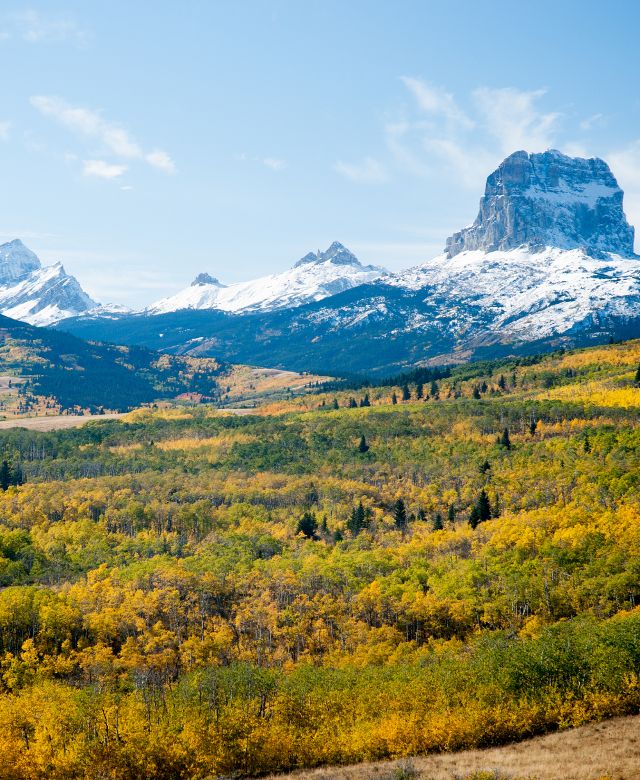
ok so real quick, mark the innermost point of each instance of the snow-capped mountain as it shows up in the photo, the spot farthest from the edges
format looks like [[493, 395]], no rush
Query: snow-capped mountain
[[548, 262], [39, 295], [316, 276]]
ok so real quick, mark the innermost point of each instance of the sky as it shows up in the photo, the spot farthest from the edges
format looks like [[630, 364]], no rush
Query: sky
[[142, 143]]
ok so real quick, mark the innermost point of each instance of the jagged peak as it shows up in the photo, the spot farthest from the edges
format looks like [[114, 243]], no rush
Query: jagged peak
[[205, 278], [336, 253], [549, 199]]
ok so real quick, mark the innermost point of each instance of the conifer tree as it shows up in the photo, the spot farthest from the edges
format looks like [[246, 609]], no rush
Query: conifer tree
[[400, 515], [335, 403], [476, 392], [505, 441], [451, 513], [483, 506], [486, 466], [419, 390], [433, 391], [6, 475], [438, 525], [637, 377], [353, 404], [586, 446], [307, 525], [394, 398], [363, 446], [502, 382], [406, 393], [365, 401], [474, 518], [532, 427], [357, 520]]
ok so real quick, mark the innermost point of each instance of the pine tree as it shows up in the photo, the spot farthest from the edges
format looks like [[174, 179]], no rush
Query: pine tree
[[532, 427], [324, 528], [484, 507], [451, 513], [637, 377], [394, 398], [357, 520], [365, 401], [486, 466], [419, 390], [335, 403], [422, 515], [586, 446], [433, 391], [307, 525], [337, 536], [474, 518], [6, 475], [484, 387], [502, 382], [438, 525], [505, 441], [400, 515], [353, 404], [476, 392], [406, 393], [363, 446]]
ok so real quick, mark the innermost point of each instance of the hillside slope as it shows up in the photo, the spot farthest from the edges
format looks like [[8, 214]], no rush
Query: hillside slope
[[60, 371], [335, 579]]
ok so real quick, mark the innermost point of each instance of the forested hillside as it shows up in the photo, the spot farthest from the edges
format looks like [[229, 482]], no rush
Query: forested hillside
[[357, 574], [56, 372]]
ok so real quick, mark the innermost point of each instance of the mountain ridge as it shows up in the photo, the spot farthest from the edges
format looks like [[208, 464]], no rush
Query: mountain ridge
[[551, 284]]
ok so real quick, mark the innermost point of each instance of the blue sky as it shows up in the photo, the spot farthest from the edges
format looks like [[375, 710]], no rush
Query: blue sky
[[144, 142]]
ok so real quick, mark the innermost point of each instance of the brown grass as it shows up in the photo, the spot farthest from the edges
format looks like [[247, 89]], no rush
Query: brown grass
[[599, 751]]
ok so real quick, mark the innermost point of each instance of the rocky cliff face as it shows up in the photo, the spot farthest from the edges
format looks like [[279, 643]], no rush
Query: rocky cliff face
[[549, 200]]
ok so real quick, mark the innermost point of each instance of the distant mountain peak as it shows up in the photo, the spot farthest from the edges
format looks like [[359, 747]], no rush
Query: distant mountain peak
[[205, 278], [549, 199], [34, 293], [336, 253]]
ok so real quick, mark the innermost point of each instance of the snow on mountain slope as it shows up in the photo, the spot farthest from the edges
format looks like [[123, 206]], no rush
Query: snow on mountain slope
[[36, 294], [314, 277]]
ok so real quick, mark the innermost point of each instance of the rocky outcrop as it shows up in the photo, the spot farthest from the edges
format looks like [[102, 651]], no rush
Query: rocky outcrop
[[549, 200]]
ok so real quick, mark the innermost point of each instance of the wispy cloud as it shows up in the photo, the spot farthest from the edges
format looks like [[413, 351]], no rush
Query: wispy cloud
[[102, 169], [369, 170], [274, 163], [36, 27], [438, 136], [436, 101], [513, 118], [5, 128], [91, 124], [625, 164]]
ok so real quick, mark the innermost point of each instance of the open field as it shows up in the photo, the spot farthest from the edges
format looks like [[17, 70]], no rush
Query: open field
[[56, 422], [600, 750]]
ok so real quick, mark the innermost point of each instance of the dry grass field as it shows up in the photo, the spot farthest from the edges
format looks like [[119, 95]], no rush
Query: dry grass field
[[600, 751]]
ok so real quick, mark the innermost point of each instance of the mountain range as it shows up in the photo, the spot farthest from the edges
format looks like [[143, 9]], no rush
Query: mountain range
[[548, 262]]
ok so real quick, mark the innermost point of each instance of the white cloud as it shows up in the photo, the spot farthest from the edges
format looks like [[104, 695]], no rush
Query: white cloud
[[274, 163], [369, 170], [591, 121], [102, 169], [89, 123], [625, 164], [35, 27], [513, 118], [161, 160], [436, 101], [4, 130]]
